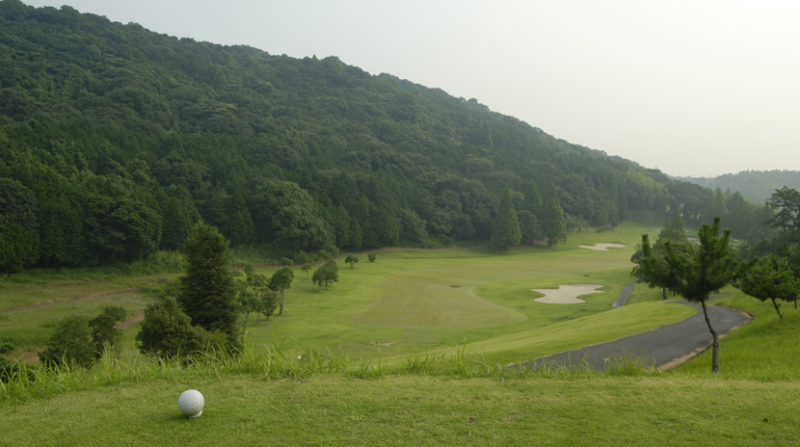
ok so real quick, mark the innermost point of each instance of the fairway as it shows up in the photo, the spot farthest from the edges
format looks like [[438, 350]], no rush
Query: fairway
[[412, 301], [417, 301]]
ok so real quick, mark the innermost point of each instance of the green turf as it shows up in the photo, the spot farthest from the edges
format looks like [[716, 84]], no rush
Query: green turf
[[459, 399], [414, 410], [412, 301]]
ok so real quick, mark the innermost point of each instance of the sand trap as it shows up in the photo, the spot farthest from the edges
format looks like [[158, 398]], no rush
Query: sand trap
[[601, 247], [567, 293]]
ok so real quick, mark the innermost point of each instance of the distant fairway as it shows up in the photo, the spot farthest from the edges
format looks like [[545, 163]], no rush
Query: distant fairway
[[417, 300], [412, 301], [427, 301]]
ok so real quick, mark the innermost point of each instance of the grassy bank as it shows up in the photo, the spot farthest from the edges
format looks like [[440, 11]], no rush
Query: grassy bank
[[416, 410]]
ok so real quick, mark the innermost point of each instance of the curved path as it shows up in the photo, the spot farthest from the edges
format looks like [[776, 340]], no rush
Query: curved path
[[623, 296], [666, 346]]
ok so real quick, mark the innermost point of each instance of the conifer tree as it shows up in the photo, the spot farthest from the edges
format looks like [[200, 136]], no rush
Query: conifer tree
[[505, 228], [709, 268], [208, 295], [553, 222]]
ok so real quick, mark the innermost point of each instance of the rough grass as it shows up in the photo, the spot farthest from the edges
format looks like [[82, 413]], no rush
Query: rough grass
[[415, 410], [765, 349]]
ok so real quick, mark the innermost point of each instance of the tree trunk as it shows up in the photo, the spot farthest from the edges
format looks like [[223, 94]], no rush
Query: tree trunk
[[258, 314], [776, 308], [246, 317], [663, 293], [281, 300], [714, 340]]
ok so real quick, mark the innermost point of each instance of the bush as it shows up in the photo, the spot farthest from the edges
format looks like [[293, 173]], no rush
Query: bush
[[167, 331], [71, 344], [303, 258]]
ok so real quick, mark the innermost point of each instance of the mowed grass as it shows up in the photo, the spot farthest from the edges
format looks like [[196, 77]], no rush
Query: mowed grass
[[747, 404], [412, 301], [415, 410], [31, 329], [765, 349]]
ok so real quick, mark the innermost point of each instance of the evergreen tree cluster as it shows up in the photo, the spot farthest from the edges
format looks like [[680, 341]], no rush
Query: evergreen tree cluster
[[115, 141]]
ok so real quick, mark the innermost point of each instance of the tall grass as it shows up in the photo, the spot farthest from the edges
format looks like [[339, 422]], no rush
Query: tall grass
[[282, 360]]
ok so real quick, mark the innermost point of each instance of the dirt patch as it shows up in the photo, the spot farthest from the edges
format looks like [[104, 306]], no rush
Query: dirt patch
[[74, 300], [130, 322], [567, 293]]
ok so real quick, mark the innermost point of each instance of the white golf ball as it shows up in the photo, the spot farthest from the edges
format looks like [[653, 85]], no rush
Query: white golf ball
[[191, 403]]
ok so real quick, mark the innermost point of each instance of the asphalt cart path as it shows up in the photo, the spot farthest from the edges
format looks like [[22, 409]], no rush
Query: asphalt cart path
[[666, 346]]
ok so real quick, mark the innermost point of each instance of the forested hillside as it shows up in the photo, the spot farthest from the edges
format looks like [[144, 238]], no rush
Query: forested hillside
[[755, 185], [114, 140]]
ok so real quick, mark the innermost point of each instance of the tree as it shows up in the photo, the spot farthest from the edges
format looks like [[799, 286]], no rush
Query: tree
[[528, 227], [167, 331], [553, 222], [306, 269], [793, 265], [770, 280], [673, 231], [351, 259], [103, 331], [532, 201], [19, 240], [248, 302], [372, 257], [325, 274], [319, 277], [70, 344], [643, 275], [412, 228], [786, 202], [208, 295], [505, 227], [298, 227], [279, 282], [709, 268]]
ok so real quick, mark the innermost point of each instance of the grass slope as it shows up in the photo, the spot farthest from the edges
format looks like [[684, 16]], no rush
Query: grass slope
[[462, 401], [414, 410]]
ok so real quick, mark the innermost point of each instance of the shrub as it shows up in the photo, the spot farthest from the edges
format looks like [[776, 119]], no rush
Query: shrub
[[70, 344]]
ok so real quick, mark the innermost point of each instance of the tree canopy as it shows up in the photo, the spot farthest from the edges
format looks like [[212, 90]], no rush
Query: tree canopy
[[115, 141]]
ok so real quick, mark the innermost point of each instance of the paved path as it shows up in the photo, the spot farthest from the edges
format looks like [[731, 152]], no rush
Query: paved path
[[662, 346], [623, 296]]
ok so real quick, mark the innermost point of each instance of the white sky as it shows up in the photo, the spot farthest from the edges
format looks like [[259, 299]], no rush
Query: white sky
[[690, 87]]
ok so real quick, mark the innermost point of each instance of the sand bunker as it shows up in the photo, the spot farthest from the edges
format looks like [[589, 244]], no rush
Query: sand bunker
[[601, 247], [567, 293]]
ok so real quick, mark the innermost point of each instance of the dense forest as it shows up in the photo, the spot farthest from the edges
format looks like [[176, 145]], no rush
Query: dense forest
[[754, 185], [115, 140]]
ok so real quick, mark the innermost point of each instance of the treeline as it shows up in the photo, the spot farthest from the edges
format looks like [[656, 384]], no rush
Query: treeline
[[754, 185], [115, 140]]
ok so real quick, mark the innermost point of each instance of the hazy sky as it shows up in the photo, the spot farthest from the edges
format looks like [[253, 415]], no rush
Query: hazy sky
[[695, 87]]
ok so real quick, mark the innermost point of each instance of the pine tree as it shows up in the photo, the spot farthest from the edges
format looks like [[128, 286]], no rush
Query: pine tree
[[553, 222], [708, 268], [208, 295], [505, 228]]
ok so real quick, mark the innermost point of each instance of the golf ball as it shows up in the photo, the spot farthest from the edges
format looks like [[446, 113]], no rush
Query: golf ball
[[191, 403]]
